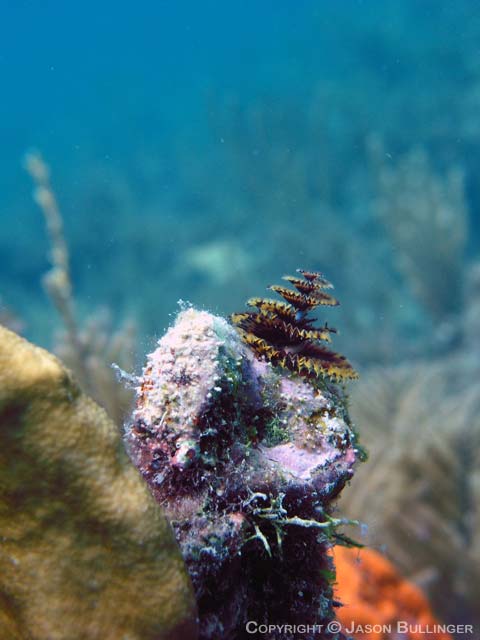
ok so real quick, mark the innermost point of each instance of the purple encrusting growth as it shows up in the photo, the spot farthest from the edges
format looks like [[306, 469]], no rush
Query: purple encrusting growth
[[246, 461]]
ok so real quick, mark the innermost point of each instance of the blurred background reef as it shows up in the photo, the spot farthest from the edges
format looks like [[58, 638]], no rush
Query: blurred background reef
[[197, 148]]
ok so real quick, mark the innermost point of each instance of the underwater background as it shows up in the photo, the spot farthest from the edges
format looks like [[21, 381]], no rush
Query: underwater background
[[199, 150]]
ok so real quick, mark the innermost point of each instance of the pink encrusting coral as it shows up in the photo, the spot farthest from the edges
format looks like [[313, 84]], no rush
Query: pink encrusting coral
[[246, 460]]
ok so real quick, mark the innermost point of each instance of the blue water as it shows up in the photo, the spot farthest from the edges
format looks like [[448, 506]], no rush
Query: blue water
[[201, 150], [177, 132]]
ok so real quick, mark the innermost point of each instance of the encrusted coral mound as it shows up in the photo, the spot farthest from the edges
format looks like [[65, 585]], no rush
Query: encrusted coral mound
[[246, 459]]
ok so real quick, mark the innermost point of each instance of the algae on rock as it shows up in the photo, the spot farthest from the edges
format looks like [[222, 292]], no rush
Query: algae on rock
[[254, 516]]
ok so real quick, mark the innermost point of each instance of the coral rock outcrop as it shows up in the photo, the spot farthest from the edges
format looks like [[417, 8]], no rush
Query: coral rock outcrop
[[247, 460]]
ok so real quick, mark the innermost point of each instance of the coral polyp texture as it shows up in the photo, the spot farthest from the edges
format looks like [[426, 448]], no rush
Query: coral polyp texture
[[85, 551], [247, 460], [283, 334]]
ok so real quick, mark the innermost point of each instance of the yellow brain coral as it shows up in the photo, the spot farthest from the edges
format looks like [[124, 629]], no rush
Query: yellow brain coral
[[85, 551]]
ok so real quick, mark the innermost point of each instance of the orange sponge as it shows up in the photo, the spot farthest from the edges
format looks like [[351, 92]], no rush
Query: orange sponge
[[378, 603]]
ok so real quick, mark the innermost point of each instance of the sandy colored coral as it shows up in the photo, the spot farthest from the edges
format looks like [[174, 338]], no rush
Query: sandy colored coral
[[85, 552], [375, 594]]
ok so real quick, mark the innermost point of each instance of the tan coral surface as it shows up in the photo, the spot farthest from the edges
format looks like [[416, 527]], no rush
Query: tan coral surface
[[85, 552]]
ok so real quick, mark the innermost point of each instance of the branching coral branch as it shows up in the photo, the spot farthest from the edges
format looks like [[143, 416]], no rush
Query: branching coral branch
[[57, 281], [9, 319], [426, 217], [89, 348], [420, 491]]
